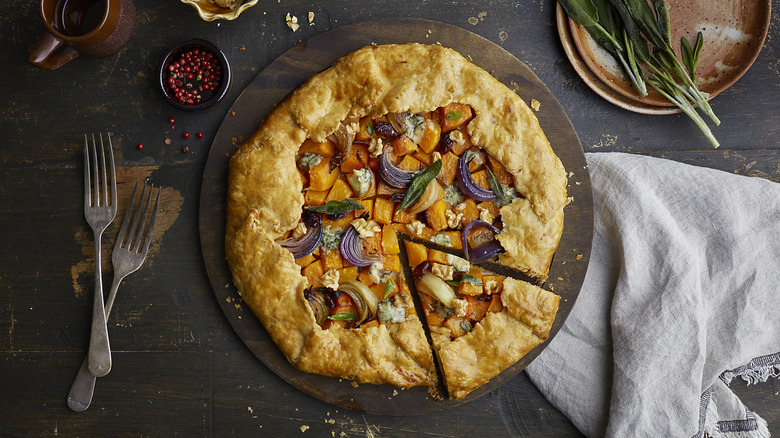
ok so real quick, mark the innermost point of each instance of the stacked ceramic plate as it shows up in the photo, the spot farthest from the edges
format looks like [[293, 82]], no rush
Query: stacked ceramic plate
[[733, 35]]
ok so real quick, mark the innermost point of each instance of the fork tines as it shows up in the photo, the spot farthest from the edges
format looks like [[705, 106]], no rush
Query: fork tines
[[98, 196], [136, 236]]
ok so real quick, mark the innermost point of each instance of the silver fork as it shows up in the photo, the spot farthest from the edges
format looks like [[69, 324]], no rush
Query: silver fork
[[99, 210], [130, 249]]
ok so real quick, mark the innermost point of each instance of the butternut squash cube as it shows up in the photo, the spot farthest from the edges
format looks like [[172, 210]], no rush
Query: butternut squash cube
[[402, 216], [383, 211], [435, 215], [340, 191], [496, 305], [392, 263], [437, 257], [305, 260], [339, 223], [449, 169], [455, 115], [325, 148], [373, 244], [403, 145], [434, 319], [348, 273], [368, 207], [491, 207], [481, 179], [353, 160], [321, 177], [390, 240], [455, 324], [423, 157], [431, 135], [332, 260], [458, 148], [411, 163], [502, 175], [386, 190], [469, 210], [315, 197], [313, 273], [416, 253], [454, 236], [476, 309], [363, 134]]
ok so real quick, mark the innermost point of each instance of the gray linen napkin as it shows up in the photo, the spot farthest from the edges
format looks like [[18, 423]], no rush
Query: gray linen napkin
[[680, 297]]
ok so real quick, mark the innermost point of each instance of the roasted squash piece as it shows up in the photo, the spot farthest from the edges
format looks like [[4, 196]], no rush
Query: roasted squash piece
[[455, 115], [435, 215], [321, 177], [416, 253], [383, 211], [323, 148]]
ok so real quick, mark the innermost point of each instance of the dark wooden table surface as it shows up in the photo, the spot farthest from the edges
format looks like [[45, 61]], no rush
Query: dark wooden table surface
[[179, 368]]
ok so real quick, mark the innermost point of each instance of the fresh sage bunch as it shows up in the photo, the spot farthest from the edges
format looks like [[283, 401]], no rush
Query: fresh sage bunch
[[628, 29]]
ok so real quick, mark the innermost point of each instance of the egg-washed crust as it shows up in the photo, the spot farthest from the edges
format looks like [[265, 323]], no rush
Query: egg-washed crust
[[499, 340], [272, 286], [265, 201]]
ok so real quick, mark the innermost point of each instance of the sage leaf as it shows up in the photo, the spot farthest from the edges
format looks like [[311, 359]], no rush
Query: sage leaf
[[419, 183], [496, 187], [465, 278], [583, 12], [343, 316], [453, 115], [337, 207], [466, 327]]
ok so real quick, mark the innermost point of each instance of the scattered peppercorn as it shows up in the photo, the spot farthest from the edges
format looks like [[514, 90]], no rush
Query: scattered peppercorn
[[167, 140], [185, 149], [173, 126], [186, 134], [200, 135], [140, 146], [171, 120]]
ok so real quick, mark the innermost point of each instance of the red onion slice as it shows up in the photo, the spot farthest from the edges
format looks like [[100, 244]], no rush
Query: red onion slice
[[306, 244], [353, 252], [466, 182], [485, 252], [342, 139], [393, 175], [465, 239]]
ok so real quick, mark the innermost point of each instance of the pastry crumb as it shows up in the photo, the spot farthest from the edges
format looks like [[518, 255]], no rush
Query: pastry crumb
[[249, 408], [311, 18], [292, 22], [354, 384], [535, 104], [579, 256], [304, 428]]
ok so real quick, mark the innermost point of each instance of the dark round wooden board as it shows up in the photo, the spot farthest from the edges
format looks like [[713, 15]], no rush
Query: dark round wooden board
[[318, 53]]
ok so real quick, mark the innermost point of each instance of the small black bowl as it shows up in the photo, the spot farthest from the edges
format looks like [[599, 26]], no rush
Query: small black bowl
[[210, 91]]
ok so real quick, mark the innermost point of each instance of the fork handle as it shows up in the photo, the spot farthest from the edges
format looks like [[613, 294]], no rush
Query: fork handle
[[99, 348], [80, 395], [83, 386]]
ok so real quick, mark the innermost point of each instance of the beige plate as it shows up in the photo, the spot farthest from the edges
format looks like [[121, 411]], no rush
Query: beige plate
[[733, 36]]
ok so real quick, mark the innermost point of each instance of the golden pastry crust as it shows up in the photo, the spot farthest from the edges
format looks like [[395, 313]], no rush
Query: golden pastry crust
[[265, 201], [499, 340], [272, 286]]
